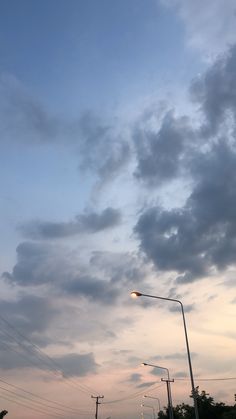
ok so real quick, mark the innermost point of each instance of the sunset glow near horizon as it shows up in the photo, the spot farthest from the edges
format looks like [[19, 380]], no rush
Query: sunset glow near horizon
[[118, 173]]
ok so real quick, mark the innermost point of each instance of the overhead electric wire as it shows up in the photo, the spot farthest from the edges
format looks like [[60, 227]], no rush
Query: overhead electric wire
[[137, 394], [56, 367], [31, 361], [8, 346], [29, 398], [134, 395], [30, 407], [66, 407], [26, 348], [206, 379], [56, 371]]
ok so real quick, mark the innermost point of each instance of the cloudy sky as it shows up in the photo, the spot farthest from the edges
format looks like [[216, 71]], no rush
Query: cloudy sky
[[118, 172]]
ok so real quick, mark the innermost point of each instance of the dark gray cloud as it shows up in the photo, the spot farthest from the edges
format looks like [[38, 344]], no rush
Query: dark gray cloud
[[135, 378], [17, 353], [91, 222], [201, 235], [147, 384], [29, 313], [215, 92], [94, 289], [24, 323], [160, 152], [159, 372], [25, 326], [78, 365], [166, 237], [38, 264], [13, 357], [127, 268], [180, 374], [163, 373], [31, 322], [164, 149], [42, 264]]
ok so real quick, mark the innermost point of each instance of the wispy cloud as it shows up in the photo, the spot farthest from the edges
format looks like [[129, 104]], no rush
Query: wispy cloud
[[90, 222], [206, 27]]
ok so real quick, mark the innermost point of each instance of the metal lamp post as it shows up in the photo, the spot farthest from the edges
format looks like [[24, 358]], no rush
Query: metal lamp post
[[169, 397], [139, 294], [156, 398], [151, 407]]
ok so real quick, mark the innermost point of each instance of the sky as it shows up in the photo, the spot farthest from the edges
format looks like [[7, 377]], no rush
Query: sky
[[118, 158]]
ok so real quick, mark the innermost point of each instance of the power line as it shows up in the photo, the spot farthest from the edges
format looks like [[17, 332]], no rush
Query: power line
[[40, 397], [35, 364], [8, 346], [30, 407], [57, 371], [206, 379], [134, 395], [56, 367], [26, 348], [42, 353], [28, 399], [63, 408]]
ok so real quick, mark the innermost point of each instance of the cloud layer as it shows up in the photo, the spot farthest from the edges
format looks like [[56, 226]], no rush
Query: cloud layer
[[200, 237]]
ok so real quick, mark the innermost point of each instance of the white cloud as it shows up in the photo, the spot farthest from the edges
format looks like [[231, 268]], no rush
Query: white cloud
[[210, 25]]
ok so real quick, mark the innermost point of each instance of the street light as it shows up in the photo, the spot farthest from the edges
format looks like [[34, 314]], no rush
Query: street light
[[170, 406], [151, 407], [156, 398], [157, 366], [139, 294]]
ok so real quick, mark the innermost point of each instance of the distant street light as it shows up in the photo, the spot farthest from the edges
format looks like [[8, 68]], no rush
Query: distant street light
[[151, 407], [156, 398], [169, 397], [139, 294]]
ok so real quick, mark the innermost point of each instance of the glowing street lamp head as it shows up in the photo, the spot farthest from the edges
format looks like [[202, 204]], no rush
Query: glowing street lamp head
[[144, 363], [135, 294]]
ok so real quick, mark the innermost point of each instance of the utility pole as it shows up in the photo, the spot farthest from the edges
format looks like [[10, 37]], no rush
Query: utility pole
[[170, 406], [97, 403]]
